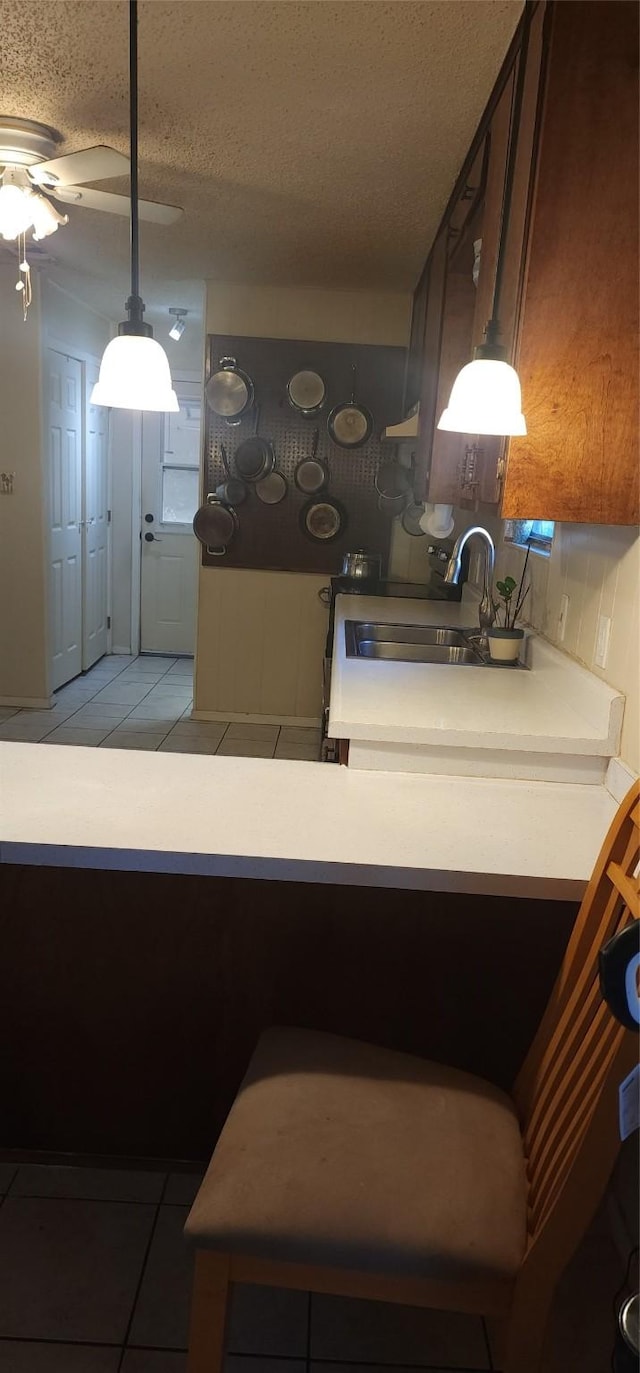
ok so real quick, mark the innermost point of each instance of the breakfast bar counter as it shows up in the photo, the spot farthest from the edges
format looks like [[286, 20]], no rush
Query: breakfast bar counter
[[297, 822]]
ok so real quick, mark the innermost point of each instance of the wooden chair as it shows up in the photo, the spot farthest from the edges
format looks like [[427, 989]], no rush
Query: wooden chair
[[352, 1170]]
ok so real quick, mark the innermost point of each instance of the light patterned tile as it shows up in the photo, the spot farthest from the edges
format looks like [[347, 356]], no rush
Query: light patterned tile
[[70, 1268], [87, 1184], [177, 743], [142, 726], [268, 1321], [92, 718], [299, 734], [87, 738], [162, 1310], [7, 711], [302, 753], [100, 710], [248, 731], [123, 739], [23, 732], [348, 1330], [163, 708], [205, 729], [129, 694], [246, 748]]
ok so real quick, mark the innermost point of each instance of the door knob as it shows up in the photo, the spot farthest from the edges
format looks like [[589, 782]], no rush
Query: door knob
[[148, 519], [149, 538]]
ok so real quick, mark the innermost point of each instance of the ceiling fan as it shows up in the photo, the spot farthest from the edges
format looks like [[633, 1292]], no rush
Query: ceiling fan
[[32, 179]]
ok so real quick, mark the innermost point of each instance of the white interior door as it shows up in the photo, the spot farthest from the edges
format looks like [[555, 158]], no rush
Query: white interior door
[[64, 390], [96, 529], [170, 498]]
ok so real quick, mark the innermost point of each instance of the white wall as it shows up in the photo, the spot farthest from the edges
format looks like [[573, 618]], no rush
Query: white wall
[[260, 639], [68, 321], [24, 665], [598, 568], [324, 316]]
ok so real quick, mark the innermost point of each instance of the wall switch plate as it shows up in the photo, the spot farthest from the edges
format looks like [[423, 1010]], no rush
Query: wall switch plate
[[602, 641], [562, 617]]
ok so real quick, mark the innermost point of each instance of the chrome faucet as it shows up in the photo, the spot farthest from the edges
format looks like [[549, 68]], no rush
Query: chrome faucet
[[487, 609]]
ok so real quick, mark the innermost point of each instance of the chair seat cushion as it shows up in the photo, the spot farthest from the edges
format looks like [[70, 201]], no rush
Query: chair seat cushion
[[340, 1153]]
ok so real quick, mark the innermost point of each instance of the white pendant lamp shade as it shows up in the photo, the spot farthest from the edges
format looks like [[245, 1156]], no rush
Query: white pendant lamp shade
[[485, 399], [135, 375]]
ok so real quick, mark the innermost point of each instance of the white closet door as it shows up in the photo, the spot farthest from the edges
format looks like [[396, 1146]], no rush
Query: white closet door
[[96, 524], [64, 390]]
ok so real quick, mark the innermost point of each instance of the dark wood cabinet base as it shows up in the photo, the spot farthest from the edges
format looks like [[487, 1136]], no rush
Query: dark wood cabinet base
[[131, 1002]]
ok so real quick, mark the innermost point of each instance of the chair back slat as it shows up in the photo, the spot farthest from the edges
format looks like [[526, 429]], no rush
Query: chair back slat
[[571, 1036], [578, 1042]]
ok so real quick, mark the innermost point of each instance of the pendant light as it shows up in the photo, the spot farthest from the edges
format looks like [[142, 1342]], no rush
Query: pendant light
[[134, 372], [485, 396]]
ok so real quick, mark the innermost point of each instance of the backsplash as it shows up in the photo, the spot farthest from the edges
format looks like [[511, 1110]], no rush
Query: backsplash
[[598, 568]]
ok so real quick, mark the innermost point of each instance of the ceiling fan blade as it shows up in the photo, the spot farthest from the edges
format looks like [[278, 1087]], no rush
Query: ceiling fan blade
[[149, 210], [90, 164]]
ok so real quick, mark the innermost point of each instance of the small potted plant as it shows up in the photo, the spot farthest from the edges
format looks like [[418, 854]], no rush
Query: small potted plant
[[505, 639]]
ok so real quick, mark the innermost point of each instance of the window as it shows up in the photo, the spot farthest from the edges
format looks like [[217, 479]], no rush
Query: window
[[181, 463], [534, 534]]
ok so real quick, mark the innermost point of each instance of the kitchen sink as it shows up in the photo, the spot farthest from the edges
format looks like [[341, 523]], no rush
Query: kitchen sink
[[416, 644]]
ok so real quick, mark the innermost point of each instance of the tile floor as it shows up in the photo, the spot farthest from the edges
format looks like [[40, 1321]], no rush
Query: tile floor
[[96, 1279], [145, 703]]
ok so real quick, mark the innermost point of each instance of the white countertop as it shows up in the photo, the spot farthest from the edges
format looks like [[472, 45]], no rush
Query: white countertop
[[297, 821], [557, 707]]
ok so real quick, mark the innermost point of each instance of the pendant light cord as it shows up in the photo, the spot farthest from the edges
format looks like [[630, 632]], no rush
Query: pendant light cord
[[134, 305], [492, 330], [133, 144]]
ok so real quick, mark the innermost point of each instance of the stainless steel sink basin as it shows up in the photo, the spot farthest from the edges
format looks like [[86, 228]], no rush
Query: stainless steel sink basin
[[419, 653], [408, 634], [410, 644]]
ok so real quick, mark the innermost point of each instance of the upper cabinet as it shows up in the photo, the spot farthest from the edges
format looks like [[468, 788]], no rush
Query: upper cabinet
[[577, 353], [568, 305]]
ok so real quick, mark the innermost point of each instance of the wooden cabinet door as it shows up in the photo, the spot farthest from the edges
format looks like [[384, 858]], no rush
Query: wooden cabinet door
[[437, 267], [578, 359], [413, 372], [493, 449]]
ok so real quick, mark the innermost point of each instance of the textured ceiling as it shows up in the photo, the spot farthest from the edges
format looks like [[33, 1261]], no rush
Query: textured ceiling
[[309, 143]]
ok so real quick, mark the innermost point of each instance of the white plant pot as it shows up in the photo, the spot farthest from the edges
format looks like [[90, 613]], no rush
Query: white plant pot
[[505, 644]]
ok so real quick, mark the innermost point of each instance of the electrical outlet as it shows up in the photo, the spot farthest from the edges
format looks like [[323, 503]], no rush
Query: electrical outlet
[[602, 641], [562, 617]]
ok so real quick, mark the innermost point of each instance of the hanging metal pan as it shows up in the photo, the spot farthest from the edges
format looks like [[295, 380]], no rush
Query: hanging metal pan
[[254, 457], [215, 525], [233, 491], [272, 489], [323, 520], [350, 425], [306, 393], [312, 474], [229, 391]]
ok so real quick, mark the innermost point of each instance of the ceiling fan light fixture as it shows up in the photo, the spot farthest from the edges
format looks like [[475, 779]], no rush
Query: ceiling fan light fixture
[[135, 375], [15, 209], [44, 216]]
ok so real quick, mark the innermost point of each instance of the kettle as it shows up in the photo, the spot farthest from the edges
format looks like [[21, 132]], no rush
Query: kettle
[[362, 566]]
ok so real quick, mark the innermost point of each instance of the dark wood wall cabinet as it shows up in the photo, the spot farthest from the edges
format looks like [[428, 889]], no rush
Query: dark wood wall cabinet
[[569, 300]]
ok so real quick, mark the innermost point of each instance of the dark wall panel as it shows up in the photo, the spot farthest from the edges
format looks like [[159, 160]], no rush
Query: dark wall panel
[[130, 1002]]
